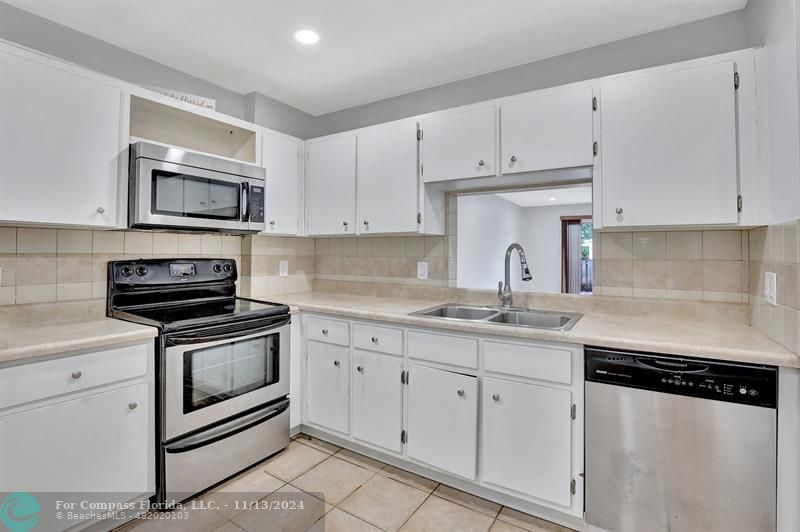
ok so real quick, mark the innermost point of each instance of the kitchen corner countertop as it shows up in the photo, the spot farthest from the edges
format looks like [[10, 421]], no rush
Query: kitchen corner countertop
[[37, 338], [722, 341]]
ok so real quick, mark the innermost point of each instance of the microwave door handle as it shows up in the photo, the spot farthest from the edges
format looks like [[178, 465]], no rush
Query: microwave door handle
[[246, 201]]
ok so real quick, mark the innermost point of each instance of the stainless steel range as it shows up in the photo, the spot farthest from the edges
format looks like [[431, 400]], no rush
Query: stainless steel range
[[222, 366]]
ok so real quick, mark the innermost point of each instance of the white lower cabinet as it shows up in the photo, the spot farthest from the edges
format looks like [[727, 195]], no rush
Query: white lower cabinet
[[377, 395], [491, 413], [443, 419], [526, 432], [328, 386], [93, 444]]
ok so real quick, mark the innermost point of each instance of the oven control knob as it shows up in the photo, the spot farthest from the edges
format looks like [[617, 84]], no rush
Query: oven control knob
[[217, 268], [227, 268], [126, 271], [141, 271]]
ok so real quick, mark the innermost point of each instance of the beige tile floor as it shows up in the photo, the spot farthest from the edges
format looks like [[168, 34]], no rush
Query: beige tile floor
[[342, 491]]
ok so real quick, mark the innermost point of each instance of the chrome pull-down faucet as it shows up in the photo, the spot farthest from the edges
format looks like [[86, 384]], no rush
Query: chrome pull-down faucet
[[504, 290]]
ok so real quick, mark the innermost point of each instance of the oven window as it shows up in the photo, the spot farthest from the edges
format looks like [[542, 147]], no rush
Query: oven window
[[189, 196], [215, 374]]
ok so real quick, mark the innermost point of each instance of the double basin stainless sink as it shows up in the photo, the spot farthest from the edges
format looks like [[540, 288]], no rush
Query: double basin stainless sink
[[514, 317]]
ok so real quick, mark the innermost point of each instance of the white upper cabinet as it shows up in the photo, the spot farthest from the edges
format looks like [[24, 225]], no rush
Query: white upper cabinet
[[280, 155], [459, 145], [61, 143], [388, 183], [549, 129], [331, 185], [669, 148]]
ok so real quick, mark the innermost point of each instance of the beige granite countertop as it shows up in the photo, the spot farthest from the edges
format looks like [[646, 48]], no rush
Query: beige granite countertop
[[721, 340], [30, 331]]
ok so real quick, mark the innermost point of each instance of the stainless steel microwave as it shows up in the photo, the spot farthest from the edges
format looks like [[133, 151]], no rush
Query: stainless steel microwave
[[170, 188]]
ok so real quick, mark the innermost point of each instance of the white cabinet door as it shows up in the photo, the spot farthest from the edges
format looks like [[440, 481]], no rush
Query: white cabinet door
[[281, 157], [59, 145], [549, 129], [443, 419], [668, 148], [459, 145], [331, 185], [388, 185], [94, 444], [527, 439], [377, 399], [328, 386]]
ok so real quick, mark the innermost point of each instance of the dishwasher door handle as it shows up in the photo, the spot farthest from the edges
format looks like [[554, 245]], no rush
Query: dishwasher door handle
[[672, 367]]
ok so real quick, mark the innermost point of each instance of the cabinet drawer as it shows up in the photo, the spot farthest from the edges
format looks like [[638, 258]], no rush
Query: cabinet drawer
[[381, 339], [443, 349], [31, 382], [532, 361], [327, 330]]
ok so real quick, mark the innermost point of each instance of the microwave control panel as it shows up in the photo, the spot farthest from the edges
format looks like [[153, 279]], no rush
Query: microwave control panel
[[256, 204]]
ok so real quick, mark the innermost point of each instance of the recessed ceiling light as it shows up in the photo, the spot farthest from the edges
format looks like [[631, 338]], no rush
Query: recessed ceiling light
[[306, 36], [551, 199]]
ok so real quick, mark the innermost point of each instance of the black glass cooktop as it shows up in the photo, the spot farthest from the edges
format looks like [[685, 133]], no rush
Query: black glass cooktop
[[175, 316]]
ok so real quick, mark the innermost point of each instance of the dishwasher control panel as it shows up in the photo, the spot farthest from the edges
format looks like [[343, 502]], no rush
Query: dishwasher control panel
[[750, 384]]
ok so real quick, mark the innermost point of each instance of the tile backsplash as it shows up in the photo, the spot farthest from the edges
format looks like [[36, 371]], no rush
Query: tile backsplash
[[776, 249], [45, 265], [694, 265], [261, 262]]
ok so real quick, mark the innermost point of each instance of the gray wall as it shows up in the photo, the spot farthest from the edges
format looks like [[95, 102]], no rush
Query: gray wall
[[271, 113], [714, 35]]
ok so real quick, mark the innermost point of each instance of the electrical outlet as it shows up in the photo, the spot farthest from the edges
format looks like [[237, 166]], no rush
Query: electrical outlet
[[771, 288], [422, 270], [283, 268]]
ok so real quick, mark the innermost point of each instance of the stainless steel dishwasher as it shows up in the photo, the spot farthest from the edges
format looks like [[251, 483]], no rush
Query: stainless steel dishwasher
[[679, 444]]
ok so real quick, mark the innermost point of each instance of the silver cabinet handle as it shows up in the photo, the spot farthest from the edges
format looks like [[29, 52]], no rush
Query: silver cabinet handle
[[76, 375], [496, 397], [460, 393], [325, 332], [272, 223], [360, 369], [132, 405], [481, 163], [513, 158], [619, 210], [374, 339], [101, 210], [337, 363], [366, 223]]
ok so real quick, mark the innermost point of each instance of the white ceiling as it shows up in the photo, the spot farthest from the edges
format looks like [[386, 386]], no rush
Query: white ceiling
[[369, 50], [550, 196]]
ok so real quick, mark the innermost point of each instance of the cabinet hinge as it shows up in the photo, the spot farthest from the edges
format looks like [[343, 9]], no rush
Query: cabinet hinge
[[419, 134], [594, 103], [403, 436], [595, 149], [735, 80], [572, 486], [739, 203], [573, 411], [419, 217], [422, 169]]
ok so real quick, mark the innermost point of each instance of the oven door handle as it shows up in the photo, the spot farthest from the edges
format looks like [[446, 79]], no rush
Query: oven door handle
[[228, 429], [188, 340]]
